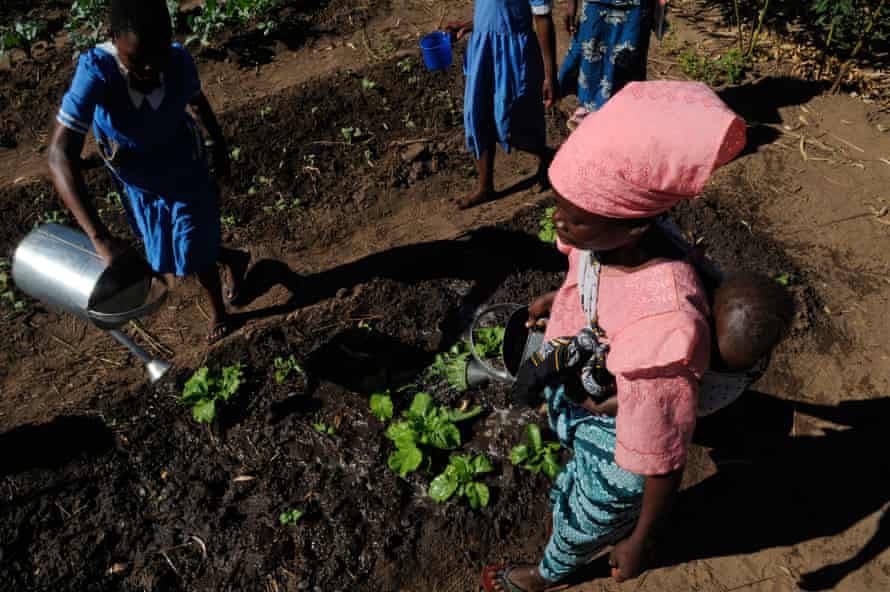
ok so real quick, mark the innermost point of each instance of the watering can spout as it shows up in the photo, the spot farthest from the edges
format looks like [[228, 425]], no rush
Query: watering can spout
[[157, 369]]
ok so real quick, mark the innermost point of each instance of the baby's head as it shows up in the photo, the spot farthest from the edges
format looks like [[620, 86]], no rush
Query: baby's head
[[751, 315]]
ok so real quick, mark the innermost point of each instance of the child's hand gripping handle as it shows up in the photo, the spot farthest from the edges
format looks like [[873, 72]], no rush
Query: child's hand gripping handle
[[459, 29]]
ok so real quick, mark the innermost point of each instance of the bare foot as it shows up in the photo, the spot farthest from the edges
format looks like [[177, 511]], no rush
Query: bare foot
[[474, 199], [234, 265], [543, 179]]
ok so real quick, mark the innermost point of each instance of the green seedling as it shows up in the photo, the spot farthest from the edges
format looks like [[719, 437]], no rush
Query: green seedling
[[381, 405], [368, 85], [266, 111], [21, 35], [352, 134], [7, 294], [203, 391], [291, 517], [409, 123], [229, 222], [452, 365], [406, 65], [55, 217], [786, 279], [547, 233], [86, 25], [460, 478], [284, 367], [425, 424], [536, 455], [235, 154], [281, 204], [323, 428]]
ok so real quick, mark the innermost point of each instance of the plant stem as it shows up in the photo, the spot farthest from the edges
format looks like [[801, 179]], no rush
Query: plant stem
[[859, 43], [738, 20], [756, 34]]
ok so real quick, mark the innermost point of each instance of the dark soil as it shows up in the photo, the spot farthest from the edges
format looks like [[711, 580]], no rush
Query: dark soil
[[138, 496]]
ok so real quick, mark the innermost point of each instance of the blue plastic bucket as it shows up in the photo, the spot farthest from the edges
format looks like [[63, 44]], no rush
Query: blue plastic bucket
[[436, 50]]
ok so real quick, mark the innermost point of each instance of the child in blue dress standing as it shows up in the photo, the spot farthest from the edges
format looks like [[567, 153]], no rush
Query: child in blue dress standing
[[133, 91], [610, 46], [511, 77]]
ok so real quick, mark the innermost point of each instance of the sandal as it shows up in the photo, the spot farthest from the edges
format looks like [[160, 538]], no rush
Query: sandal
[[218, 332], [499, 574]]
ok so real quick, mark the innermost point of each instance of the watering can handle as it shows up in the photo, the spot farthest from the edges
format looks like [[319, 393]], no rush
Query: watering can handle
[[120, 318], [501, 375]]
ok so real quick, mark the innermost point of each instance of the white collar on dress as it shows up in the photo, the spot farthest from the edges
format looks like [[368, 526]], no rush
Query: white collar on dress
[[154, 98]]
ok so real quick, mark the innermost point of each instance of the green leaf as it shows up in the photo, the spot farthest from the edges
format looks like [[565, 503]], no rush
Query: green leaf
[[381, 406], [456, 415], [232, 377], [443, 486], [534, 437], [402, 434], [204, 411], [519, 454], [196, 387], [291, 517], [446, 436], [550, 465], [483, 494], [405, 460], [421, 406], [481, 465], [462, 468]]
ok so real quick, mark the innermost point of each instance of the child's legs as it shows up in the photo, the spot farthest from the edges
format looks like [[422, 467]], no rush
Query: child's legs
[[595, 502]]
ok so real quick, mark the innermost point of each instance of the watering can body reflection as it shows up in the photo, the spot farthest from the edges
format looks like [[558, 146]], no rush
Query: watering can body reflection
[[520, 343], [59, 266]]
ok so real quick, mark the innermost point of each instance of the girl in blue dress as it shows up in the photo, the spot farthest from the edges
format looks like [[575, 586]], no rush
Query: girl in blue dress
[[610, 45], [133, 91], [510, 67]]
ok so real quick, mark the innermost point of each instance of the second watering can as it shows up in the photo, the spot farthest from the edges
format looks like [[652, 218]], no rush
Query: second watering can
[[520, 343]]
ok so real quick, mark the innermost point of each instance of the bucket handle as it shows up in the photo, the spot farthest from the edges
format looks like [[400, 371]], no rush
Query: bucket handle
[[120, 318], [500, 375]]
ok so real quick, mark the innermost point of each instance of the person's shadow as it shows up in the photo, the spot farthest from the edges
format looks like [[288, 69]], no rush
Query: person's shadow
[[759, 103], [774, 489], [485, 258]]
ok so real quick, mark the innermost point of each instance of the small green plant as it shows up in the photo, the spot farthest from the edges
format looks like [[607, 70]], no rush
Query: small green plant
[[203, 391], [284, 367], [697, 66], [21, 35], [352, 135], [425, 424], [7, 294], [323, 428], [536, 455], [732, 65], [408, 121], [406, 65], [786, 279], [548, 230], [266, 111], [381, 405], [55, 217], [291, 517], [452, 364], [86, 25], [235, 154], [216, 15], [281, 204], [460, 478], [368, 85], [229, 221]]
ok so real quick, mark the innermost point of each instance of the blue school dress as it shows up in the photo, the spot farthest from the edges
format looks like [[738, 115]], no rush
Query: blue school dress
[[155, 153], [608, 51], [503, 100]]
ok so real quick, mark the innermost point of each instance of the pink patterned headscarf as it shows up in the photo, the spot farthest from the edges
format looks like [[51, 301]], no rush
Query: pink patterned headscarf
[[651, 146]]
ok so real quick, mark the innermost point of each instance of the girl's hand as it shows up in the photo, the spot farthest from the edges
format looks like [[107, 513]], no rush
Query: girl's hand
[[551, 92], [627, 559], [539, 309], [608, 408], [459, 30], [110, 248]]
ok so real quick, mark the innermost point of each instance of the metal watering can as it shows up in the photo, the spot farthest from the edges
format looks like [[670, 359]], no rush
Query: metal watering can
[[59, 266], [520, 343]]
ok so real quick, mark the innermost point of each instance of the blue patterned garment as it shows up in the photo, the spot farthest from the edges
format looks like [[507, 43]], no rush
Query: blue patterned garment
[[595, 502], [503, 99], [155, 153], [608, 51]]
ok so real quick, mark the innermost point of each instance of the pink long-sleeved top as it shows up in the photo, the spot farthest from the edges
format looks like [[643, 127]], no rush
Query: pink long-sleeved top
[[656, 321]]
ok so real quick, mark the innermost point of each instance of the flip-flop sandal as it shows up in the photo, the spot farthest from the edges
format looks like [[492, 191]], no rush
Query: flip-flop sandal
[[499, 574], [218, 332], [232, 288]]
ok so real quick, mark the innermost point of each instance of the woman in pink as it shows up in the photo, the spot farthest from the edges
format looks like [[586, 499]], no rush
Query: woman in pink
[[653, 145]]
